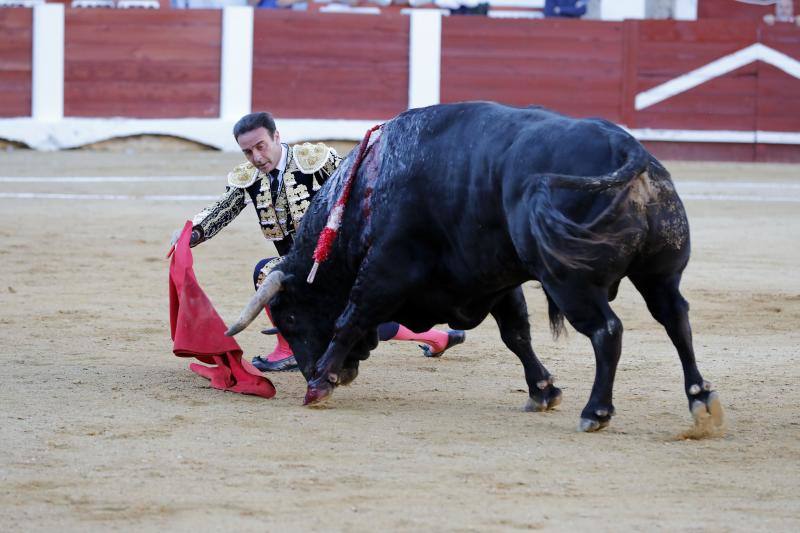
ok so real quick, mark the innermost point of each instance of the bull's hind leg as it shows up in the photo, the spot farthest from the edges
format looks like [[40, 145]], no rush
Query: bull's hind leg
[[586, 308], [671, 310], [511, 314]]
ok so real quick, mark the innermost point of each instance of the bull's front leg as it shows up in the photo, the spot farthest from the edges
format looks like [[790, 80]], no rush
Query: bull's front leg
[[331, 370]]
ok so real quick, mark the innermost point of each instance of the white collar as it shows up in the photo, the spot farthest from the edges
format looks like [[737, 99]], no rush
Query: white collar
[[281, 165], [284, 156]]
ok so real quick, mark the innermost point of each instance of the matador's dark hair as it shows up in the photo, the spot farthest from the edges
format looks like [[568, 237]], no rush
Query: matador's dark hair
[[254, 121]]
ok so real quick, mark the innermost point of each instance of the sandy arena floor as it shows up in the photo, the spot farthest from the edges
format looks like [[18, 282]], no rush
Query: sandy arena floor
[[104, 429]]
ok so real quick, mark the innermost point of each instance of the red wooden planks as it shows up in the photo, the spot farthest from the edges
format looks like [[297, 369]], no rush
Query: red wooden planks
[[572, 66], [778, 153], [307, 65], [15, 62], [724, 103], [668, 50], [630, 65], [686, 151], [732, 9], [778, 91], [142, 64]]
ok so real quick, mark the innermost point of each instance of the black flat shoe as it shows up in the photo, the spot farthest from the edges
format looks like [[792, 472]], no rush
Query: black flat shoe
[[288, 364], [454, 337]]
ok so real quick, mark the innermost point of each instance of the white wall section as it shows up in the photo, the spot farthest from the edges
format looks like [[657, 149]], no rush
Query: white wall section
[[74, 132], [236, 72], [424, 57], [617, 10], [47, 79], [684, 9]]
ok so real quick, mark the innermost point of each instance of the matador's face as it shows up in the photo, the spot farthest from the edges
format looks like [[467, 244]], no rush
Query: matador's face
[[261, 149]]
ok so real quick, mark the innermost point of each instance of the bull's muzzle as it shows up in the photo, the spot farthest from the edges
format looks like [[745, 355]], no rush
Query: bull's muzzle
[[318, 393], [269, 288]]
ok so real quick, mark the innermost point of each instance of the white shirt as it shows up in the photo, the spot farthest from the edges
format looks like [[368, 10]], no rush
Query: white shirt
[[282, 164]]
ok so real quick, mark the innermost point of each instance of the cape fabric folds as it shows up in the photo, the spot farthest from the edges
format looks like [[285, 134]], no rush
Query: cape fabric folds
[[198, 331]]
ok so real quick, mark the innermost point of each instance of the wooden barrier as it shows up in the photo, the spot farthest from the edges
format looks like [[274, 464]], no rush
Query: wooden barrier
[[667, 50], [602, 69], [15, 62], [569, 65], [757, 96], [778, 93], [778, 96], [142, 63], [732, 9], [711, 89], [310, 65]]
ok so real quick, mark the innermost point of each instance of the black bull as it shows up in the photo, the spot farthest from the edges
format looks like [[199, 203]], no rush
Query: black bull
[[453, 207]]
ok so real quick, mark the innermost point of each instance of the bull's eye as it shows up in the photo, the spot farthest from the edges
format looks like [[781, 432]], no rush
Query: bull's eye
[[290, 321]]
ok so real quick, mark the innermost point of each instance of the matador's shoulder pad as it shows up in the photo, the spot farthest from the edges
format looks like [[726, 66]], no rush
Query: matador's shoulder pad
[[311, 157], [242, 176]]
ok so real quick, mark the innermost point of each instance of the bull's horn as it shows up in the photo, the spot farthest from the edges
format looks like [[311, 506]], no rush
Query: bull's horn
[[269, 288]]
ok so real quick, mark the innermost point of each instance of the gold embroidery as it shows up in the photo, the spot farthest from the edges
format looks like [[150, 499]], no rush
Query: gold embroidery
[[221, 213], [310, 157], [299, 209], [332, 163], [274, 224], [327, 170], [293, 198], [272, 233], [297, 197], [242, 176], [266, 269]]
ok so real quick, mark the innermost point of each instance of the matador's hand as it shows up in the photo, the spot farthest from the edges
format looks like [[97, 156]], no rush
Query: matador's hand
[[194, 240], [175, 236]]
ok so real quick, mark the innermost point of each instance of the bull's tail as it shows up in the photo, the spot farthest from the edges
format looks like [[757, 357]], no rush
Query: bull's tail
[[555, 316], [576, 245], [637, 160]]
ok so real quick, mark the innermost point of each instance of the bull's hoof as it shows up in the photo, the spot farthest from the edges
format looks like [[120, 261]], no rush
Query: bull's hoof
[[318, 395], [595, 418], [707, 412], [347, 375], [587, 425], [543, 400]]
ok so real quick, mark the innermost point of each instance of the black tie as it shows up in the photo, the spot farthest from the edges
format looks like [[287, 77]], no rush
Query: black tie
[[273, 184]]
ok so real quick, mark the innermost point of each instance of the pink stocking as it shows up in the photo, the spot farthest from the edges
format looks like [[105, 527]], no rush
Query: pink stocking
[[434, 338], [282, 349]]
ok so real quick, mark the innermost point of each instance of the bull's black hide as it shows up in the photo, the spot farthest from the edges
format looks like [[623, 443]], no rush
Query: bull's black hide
[[454, 206]]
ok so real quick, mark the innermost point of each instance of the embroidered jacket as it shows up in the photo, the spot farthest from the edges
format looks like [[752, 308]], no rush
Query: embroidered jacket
[[308, 166]]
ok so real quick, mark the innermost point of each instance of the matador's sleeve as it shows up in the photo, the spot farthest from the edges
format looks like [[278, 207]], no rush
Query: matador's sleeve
[[213, 218], [222, 212]]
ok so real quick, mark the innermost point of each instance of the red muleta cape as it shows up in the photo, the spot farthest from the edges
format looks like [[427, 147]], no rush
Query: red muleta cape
[[198, 331]]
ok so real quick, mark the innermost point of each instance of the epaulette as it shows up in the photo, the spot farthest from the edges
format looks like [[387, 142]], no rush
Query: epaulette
[[242, 176], [311, 157]]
